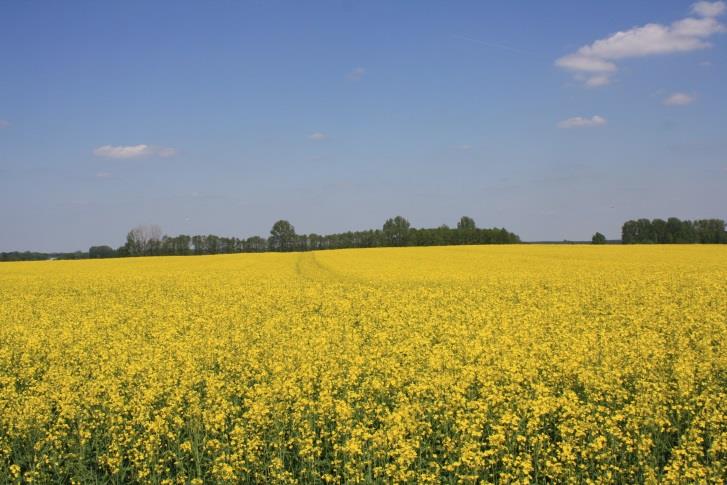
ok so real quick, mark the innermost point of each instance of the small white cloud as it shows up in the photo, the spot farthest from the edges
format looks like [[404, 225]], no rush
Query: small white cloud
[[317, 136], [581, 122], [596, 81], [599, 58], [709, 9], [582, 62], [132, 151], [705, 64], [463, 147], [678, 99], [4, 124], [103, 175], [356, 74]]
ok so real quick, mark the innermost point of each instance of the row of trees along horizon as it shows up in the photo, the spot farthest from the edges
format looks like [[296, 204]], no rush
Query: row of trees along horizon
[[397, 231], [674, 231], [148, 240]]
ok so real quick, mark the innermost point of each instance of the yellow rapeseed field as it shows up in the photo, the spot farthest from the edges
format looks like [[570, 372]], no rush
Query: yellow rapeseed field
[[508, 364]]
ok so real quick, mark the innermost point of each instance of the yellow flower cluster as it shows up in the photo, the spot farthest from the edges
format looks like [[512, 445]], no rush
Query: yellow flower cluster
[[507, 364]]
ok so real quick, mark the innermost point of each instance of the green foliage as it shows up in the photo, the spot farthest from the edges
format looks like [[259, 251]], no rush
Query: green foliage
[[101, 252], [282, 236], [674, 231], [598, 238], [397, 231], [36, 256], [466, 224]]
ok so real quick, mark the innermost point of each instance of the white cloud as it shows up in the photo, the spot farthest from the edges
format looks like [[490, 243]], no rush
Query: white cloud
[[581, 122], [582, 62], [463, 147], [318, 136], [356, 74], [709, 9], [688, 34], [599, 80], [133, 151], [678, 99], [103, 175], [4, 124]]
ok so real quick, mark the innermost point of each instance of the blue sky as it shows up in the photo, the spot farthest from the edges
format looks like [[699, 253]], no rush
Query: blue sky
[[222, 117]]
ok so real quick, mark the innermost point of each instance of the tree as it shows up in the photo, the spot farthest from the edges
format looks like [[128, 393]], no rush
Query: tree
[[466, 224], [144, 240], [659, 230], [710, 231], [282, 236], [396, 231], [148, 240], [673, 230], [255, 244], [677, 231], [101, 252], [629, 233], [182, 244], [645, 231], [598, 238], [213, 244], [199, 244]]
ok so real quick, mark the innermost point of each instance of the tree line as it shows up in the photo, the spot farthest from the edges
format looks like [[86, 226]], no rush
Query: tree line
[[149, 240], [36, 256], [674, 231], [397, 231]]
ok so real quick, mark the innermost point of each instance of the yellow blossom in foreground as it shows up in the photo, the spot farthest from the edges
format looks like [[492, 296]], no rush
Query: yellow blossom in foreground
[[489, 364]]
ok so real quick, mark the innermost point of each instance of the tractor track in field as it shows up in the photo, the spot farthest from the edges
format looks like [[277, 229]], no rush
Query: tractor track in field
[[309, 268]]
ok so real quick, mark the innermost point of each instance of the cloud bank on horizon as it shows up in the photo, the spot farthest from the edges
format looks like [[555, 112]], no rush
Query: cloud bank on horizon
[[595, 64]]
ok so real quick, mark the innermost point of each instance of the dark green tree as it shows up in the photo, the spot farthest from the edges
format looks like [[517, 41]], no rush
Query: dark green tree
[[710, 231], [282, 236], [629, 233], [598, 238], [677, 231], [673, 230], [466, 224], [95, 252], [396, 231]]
